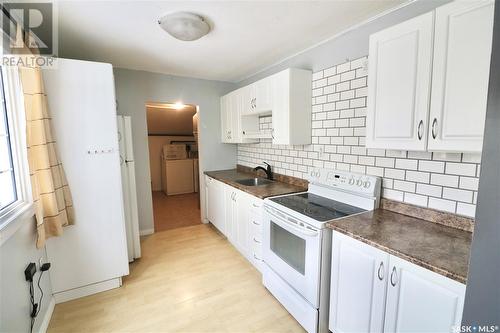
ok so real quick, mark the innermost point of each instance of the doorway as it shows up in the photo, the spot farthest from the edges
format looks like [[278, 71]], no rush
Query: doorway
[[173, 154]]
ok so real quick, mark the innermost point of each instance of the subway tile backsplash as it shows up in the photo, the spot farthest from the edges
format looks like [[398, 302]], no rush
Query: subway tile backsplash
[[442, 181]]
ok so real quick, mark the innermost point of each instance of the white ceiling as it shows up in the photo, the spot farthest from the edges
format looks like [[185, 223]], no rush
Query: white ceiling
[[246, 36]]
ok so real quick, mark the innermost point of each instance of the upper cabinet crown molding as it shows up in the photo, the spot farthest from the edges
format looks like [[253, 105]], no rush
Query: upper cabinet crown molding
[[428, 80], [286, 96]]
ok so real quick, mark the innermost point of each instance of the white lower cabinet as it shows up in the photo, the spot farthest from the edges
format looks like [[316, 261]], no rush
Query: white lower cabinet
[[242, 223], [419, 300], [372, 291], [256, 231], [357, 292], [215, 203], [242, 217], [231, 213]]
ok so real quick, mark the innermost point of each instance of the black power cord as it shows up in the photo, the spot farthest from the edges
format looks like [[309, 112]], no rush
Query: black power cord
[[36, 307]]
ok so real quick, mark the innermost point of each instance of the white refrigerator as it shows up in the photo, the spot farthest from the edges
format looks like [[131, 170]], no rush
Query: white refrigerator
[[129, 189], [91, 255]]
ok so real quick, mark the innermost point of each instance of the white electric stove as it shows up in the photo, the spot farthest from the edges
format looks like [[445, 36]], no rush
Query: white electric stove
[[297, 244]]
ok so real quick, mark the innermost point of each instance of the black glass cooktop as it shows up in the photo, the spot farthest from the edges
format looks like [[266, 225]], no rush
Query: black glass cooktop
[[317, 207]]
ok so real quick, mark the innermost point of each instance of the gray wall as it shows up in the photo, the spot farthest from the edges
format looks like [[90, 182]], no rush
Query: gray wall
[[15, 254], [135, 88], [482, 299], [350, 45]]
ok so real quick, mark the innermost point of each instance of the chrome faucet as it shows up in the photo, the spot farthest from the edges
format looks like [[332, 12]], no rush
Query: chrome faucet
[[267, 170]]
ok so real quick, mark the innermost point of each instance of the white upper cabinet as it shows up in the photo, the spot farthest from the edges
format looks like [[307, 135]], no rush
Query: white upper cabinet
[[263, 95], [248, 99], [399, 84], [225, 119], [286, 96], [232, 126], [292, 107], [428, 80], [258, 97], [462, 51], [419, 300]]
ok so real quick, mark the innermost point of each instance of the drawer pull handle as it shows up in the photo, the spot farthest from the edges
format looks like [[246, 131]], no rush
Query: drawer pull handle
[[394, 276], [256, 241], [380, 271], [255, 223], [256, 206], [255, 257]]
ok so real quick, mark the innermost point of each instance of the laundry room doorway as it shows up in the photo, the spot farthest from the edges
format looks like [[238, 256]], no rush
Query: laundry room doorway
[[173, 154]]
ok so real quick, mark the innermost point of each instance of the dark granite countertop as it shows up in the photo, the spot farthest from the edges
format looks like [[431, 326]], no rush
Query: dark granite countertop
[[442, 249], [262, 191]]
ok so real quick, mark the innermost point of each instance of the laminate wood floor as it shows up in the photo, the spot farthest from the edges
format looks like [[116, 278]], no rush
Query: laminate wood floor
[[175, 211], [189, 280]]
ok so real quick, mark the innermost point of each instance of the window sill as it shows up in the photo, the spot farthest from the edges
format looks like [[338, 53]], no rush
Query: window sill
[[22, 213]]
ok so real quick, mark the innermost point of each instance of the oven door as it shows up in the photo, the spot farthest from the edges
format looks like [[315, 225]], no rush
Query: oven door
[[293, 250]]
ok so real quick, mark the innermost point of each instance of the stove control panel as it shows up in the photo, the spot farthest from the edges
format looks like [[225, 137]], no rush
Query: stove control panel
[[347, 181]]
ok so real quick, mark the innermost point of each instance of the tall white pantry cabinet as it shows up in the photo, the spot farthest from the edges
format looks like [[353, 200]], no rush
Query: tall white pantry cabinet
[[428, 80]]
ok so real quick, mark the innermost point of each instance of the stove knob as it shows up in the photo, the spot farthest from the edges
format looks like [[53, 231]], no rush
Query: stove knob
[[351, 181], [359, 182], [366, 184]]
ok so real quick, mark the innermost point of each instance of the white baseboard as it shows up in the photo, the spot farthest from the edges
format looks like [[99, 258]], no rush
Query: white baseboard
[[145, 232], [91, 289], [48, 314]]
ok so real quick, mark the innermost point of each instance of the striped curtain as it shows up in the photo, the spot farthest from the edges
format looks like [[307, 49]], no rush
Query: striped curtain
[[51, 194]]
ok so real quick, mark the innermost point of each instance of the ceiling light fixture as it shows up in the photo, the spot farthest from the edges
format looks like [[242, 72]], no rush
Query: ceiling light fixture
[[184, 26], [178, 106]]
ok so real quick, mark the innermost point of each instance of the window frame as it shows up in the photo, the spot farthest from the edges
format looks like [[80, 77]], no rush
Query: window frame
[[21, 210]]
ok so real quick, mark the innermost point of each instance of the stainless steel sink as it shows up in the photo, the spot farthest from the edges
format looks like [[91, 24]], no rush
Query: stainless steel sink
[[254, 181]]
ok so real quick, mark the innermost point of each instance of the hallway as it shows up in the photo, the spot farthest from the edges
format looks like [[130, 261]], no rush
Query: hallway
[[175, 211]]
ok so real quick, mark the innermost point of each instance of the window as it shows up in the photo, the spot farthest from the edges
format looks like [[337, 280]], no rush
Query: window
[[8, 192], [15, 190]]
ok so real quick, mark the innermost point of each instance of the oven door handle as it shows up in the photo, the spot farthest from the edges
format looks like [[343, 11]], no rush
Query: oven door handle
[[303, 231]]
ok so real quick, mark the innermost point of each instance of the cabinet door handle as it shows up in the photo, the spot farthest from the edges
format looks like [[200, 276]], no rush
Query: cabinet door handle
[[420, 129], [255, 257], [256, 206], [255, 223], [380, 272], [434, 128], [394, 277], [256, 241]]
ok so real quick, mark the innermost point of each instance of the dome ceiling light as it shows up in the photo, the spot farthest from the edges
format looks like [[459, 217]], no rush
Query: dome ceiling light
[[184, 26]]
